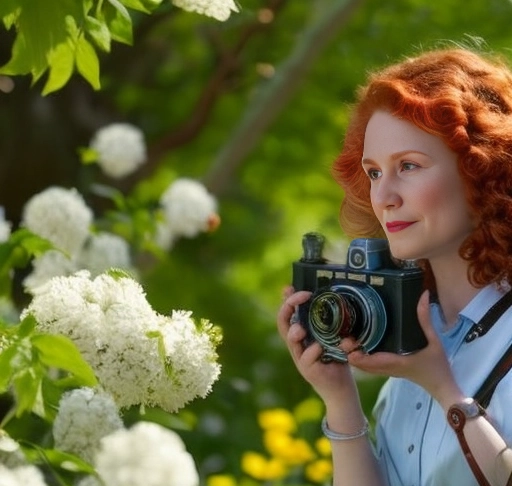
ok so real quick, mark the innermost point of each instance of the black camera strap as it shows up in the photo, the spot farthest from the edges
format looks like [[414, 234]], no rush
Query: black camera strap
[[484, 393], [490, 317]]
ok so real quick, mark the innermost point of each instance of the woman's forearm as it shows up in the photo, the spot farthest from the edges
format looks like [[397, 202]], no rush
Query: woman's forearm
[[354, 461]]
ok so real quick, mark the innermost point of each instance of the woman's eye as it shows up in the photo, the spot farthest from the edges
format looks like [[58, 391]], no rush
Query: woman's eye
[[373, 174], [408, 166]]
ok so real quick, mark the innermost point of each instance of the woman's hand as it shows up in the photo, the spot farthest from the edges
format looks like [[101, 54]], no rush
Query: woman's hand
[[332, 381], [429, 367]]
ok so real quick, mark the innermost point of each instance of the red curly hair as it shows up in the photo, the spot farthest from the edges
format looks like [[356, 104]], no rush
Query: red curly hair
[[466, 99]]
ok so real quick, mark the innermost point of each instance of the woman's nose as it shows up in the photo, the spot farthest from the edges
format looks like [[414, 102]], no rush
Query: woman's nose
[[385, 194]]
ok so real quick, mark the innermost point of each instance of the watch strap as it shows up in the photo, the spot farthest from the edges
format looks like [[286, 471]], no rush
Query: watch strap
[[457, 419]]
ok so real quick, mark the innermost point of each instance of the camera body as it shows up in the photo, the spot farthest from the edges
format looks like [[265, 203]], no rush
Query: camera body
[[370, 298]]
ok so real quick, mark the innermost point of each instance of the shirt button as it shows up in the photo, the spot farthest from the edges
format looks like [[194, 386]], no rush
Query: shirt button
[[418, 405], [410, 448]]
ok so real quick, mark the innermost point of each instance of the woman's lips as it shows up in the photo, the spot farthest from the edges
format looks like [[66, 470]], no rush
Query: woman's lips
[[395, 226]]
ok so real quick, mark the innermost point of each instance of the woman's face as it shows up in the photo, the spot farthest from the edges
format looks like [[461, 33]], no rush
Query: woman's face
[[416, 191]]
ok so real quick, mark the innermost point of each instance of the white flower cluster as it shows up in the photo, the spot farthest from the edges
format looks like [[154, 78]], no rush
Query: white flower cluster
[[147, 454], [85, 416], [188, 209], [139, 356], [88, 425], [5, 226], [21, 476], [103, 251], [14, 467], [61, 216], [120, 149], [10, 452], [52, 263], [218, 9]]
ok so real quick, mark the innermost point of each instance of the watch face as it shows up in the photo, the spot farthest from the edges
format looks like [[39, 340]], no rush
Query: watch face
[[470, 409]]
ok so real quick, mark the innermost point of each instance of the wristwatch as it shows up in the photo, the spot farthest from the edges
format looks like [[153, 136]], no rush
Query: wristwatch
[[457, 416], [459, 413]]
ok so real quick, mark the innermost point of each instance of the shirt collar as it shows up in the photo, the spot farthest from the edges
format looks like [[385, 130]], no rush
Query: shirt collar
[[482, 302]]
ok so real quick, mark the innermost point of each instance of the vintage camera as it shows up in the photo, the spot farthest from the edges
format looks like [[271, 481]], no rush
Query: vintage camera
[[371, 298]]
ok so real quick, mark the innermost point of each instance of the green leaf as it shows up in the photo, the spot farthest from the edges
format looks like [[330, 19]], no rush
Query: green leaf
[[17, 252], [88, 156], [99, 32], [16, 355], [23, 60], [9, 12], [120, 8], [56, 458], [87, 62], [118, 273], [32, 244], [60, 352], [6, 357], [41, 27], [26, 385], [51, 393], [115, 195], [146, 6], [26, 326], [161, 351], [61, 61], [118, 21]]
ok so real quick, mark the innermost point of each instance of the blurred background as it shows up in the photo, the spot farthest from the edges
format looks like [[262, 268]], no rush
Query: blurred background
[[256, 108]]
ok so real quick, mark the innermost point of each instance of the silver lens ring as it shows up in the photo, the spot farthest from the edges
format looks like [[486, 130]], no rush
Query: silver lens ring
[[372, 311], [326, 329]]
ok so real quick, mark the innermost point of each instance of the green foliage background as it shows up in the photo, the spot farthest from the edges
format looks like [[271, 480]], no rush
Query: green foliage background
[[188, 82]]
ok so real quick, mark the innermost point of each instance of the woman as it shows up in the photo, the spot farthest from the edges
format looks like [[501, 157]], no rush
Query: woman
[[427, 163]]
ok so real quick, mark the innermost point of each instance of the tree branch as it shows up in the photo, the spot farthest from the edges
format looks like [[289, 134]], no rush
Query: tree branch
[[228, 65], [276, 93]]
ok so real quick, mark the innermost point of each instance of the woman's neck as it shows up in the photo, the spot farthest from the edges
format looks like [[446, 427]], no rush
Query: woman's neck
[[454, 291]]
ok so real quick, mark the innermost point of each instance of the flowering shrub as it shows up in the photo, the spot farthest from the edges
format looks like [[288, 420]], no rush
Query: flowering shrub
[[87, 346], [109, 350], [184, 209]]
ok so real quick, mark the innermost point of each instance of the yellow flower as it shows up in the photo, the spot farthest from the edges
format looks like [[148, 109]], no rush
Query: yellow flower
[[323, 446], [319, 471], [287, 448], [277, 418], [277, 442], [301, 452], [221, 480], [259, 467]]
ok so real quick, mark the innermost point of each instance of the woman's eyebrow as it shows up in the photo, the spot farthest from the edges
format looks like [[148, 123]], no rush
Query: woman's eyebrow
[[394, 156]]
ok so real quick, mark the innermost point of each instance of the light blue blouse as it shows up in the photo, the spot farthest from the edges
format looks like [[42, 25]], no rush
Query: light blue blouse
[[414, 443]]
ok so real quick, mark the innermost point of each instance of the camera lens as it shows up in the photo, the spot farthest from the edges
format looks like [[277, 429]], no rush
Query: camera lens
[[347, 310], [331, 316]]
